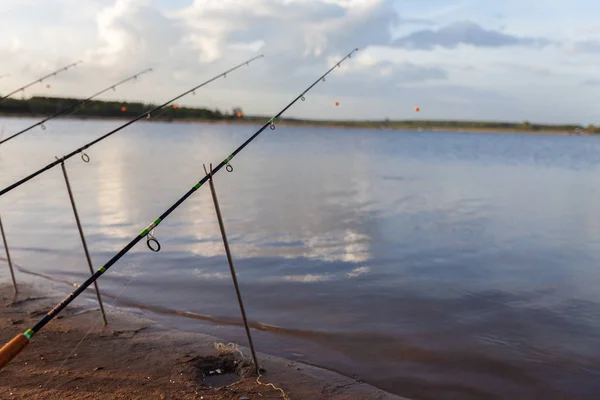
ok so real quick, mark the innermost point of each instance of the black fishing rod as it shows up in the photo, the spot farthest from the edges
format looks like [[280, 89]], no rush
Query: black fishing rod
[[39, 80], [19, 342], [146, 114], [74, 106]]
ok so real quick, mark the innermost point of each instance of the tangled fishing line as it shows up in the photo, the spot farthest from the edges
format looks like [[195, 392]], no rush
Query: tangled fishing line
[[232, 348]]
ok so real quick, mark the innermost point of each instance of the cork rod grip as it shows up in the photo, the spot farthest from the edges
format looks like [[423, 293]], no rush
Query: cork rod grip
[[11, 349]]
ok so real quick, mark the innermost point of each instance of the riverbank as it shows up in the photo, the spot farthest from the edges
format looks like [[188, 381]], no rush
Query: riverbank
[[76, 357], [368, 125]]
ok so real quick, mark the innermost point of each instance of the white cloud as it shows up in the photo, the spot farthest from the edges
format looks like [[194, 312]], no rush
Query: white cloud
[[358, 272], [292, 29], [203, 274], [134, 33], [308, 278]]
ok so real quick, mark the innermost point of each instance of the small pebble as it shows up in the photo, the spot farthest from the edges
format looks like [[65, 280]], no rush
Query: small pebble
[[244, 398], [98, 368]]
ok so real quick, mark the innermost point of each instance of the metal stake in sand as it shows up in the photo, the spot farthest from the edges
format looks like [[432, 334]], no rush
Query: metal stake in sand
[[12, 272], [231, 267], [83, 242]]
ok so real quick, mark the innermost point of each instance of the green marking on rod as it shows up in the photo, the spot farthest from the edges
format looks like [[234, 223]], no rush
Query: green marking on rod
[[29, 333], [150, 227], [102, 269], [197, 185]]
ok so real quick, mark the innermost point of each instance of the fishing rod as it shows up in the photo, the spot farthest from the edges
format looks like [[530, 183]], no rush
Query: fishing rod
[[19, 342], [74, 106], [39, 80], [146, 114]]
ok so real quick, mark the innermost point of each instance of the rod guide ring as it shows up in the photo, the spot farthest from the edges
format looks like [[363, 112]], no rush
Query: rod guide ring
[[152, 243]]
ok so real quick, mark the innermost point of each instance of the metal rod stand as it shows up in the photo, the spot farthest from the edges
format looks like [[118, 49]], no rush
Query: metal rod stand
[[231, 267], [83, 242], [12, 272]]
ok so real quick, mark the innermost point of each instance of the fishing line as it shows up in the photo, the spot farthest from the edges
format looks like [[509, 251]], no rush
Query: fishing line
[[19, 342], [81, 150], [134, 275], [232, 348], [72, 109], [39, 80]]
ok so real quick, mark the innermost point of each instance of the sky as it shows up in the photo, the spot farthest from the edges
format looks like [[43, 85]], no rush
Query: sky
[[454, 59]]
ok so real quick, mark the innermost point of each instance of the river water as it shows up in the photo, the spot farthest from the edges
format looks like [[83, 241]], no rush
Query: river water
[[434, 265]]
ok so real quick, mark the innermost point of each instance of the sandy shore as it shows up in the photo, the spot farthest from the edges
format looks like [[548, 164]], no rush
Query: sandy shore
[[136, 358]]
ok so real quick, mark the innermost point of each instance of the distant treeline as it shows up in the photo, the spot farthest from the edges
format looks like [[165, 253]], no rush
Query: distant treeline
[[44, 106], [453, 125]]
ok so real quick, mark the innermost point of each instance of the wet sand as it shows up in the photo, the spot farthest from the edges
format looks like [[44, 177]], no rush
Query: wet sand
[[76, 357]]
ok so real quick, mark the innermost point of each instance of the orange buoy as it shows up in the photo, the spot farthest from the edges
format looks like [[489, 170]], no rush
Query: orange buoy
[[123, 109], [417, 109], [175, 106], [239, 115], [337, 103], [48, 86]]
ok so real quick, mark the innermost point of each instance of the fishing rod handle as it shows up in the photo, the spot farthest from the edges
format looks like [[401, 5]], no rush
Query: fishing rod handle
[[11, 349]]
